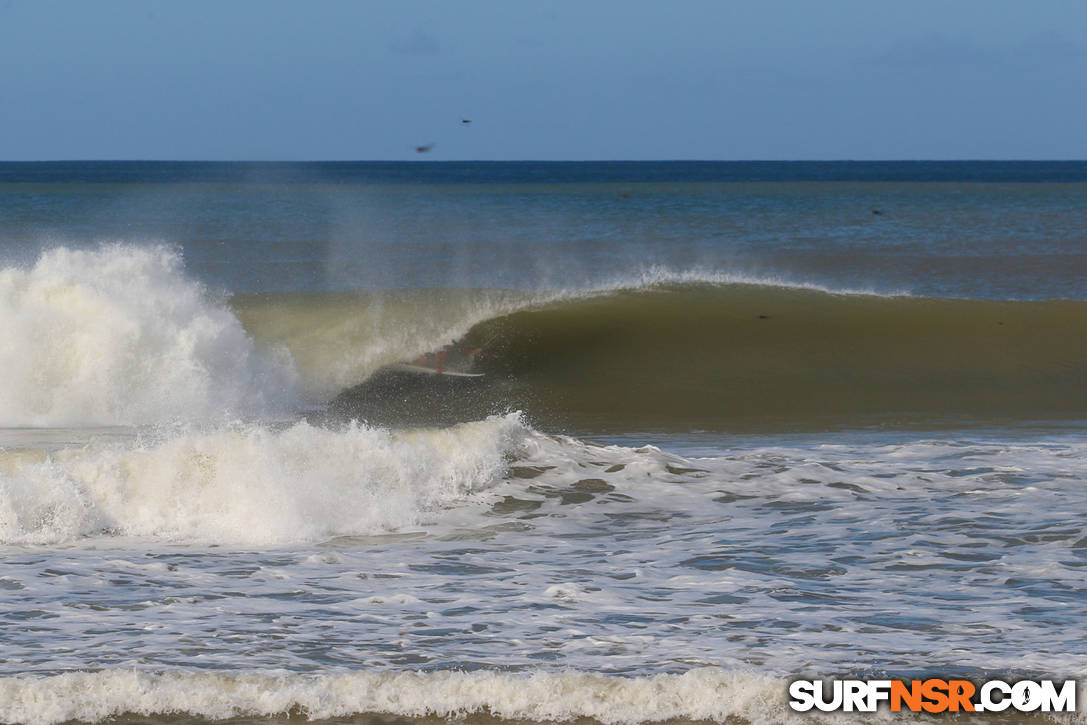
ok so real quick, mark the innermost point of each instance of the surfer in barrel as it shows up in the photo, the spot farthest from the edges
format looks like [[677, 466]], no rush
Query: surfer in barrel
[[458, 353]]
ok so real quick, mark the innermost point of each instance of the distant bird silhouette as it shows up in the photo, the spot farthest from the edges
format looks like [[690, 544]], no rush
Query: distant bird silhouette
[[877, 212], [424, 148], [466, 121]]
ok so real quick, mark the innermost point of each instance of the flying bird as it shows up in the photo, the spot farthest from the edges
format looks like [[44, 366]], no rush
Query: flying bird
[[465, 121], [424, 148]]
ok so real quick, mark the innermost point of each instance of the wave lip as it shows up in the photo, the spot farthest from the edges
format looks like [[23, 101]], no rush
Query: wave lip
[[119, 335], [663, 276], [701, 694]]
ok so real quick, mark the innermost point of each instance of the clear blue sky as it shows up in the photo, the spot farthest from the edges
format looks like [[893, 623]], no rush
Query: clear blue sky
[[584, 79]]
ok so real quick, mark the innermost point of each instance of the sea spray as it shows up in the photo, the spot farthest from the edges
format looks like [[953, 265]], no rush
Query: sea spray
[[119, 335]]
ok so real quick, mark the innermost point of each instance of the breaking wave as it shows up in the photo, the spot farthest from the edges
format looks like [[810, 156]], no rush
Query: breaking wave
[[252, 484], [741, 355], [119, 335]]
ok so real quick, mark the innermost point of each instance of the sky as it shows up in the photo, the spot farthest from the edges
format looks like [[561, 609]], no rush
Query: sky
[[558, 80]]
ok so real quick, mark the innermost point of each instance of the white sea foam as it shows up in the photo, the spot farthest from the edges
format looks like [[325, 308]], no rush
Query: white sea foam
[[548, 554], [253, 484], [702, 694], [119, 335], [705, 694]]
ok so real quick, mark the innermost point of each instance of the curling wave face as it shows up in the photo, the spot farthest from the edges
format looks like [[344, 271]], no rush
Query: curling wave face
[[742, 356]]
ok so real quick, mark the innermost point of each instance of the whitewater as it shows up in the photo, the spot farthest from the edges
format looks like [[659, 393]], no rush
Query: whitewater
[[679, 483]]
